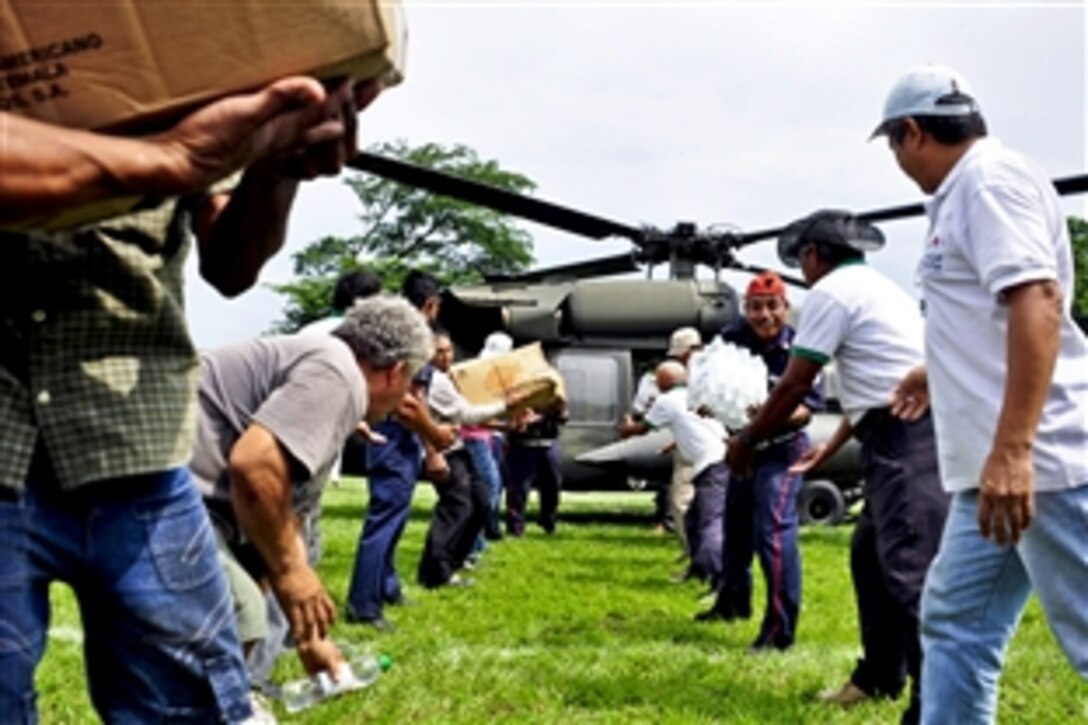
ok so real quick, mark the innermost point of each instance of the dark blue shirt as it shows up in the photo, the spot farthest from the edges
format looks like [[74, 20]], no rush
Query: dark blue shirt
[[403, 451]]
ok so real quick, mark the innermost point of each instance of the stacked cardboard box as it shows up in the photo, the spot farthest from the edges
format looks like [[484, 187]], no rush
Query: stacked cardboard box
[[133, 66], [129, 63], [487, 380]]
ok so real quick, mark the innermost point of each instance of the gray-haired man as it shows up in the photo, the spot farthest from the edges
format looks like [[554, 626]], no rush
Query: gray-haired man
[[274, 414]]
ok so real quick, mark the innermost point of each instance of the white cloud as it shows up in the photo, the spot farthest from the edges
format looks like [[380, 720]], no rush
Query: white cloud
[[704, 112]]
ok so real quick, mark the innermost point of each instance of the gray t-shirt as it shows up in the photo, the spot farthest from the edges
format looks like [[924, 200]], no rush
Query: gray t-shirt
[[307, 390]]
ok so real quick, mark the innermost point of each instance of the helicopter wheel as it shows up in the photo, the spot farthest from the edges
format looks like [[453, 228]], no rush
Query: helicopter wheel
[[822, 503]]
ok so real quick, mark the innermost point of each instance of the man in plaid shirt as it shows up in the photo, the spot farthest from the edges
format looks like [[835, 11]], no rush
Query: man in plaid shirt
[[98, 379]]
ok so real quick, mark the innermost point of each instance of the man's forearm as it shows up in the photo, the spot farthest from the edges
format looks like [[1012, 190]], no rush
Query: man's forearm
[[239, 233], [839, 437], [784, 409], [1034, 326], [779, 409], [46, 169], [263, 499], [268, 520]]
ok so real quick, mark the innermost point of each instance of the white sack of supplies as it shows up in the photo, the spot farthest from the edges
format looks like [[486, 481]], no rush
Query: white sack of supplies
[[727, 380]]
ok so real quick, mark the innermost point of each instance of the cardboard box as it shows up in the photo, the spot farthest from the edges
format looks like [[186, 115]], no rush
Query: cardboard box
[[489, 380], [125, 64]]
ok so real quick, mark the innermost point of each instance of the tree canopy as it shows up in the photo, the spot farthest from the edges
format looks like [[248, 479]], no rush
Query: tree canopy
[[404, 227]]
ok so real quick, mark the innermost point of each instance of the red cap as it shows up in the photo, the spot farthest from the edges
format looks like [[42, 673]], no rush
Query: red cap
[[766, 284]]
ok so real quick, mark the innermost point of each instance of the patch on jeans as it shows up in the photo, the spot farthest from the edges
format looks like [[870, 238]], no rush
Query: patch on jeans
[[183, 548], [230, 684]]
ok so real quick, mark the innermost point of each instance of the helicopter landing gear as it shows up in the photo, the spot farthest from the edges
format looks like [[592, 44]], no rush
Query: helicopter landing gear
[[821, 502]]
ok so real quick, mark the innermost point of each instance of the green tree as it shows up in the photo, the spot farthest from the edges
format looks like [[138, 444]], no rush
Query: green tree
[[1078, 235], [405, 227]]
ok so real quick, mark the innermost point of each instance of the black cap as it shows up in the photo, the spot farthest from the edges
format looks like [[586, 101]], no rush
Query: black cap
[[834, 227]]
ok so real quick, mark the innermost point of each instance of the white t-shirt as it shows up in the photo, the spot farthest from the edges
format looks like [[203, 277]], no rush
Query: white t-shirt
[[699, 440], [322, 326], [996, 222], [307, 390], [645, 394], [871, 327]]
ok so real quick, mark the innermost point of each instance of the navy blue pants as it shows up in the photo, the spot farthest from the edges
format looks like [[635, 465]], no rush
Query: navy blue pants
[[527, 465], [761, 519], [374, 582], [703, 522], [457, 519], [392, 471], [896, 538]]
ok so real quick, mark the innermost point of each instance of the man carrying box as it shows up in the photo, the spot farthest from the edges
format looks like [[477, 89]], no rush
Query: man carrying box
[[97, 381]]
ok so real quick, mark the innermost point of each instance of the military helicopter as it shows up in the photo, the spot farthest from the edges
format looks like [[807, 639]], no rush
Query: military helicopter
[[602, 334]]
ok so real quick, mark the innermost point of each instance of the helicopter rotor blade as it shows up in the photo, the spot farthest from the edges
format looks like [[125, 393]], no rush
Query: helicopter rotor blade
[[1072, 185], [1064, 186], [756, 269], [508, 202], [602, 267]]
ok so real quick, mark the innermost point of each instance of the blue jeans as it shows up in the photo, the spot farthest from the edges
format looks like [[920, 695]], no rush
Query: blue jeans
[[159, 636], [976, 591], [483, 460]]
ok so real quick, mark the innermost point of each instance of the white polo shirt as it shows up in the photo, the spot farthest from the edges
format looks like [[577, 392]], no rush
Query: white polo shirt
[[699, 440], [996, 222], [869, 325]]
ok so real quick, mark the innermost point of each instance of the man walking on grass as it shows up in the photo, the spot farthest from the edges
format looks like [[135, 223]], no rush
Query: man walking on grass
[[1007, 375], [873, 331]]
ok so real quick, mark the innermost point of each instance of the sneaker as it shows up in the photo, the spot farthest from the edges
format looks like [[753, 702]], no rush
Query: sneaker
[[460, 581], [845, 696], [762, 647], [379, 623]]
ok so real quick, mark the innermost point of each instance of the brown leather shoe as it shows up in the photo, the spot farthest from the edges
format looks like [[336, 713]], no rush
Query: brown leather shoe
[[846, 696]]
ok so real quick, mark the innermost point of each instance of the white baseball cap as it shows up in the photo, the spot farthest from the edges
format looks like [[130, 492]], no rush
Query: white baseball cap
[[927, 90], [497, 343], [683, 340]]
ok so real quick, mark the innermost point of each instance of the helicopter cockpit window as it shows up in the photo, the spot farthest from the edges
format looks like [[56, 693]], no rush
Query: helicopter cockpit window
[[592, 388]]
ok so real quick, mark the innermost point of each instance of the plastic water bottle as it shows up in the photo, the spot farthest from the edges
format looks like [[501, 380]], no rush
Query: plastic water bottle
[[353, 674]]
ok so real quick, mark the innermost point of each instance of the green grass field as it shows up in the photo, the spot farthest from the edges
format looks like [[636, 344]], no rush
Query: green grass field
[[586, 627]]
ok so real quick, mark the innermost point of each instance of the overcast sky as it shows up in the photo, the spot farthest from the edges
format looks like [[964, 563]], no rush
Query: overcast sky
[[749, 114]]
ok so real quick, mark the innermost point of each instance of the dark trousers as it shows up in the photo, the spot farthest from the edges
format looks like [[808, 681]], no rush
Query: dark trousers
[[374, 580], [526, 465], [894, 542], [458, 518], [703, 523], [761, 519]]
